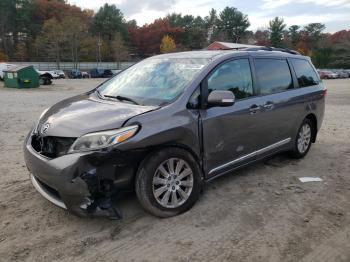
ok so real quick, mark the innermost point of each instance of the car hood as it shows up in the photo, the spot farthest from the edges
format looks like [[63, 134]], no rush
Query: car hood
[[87, 113]]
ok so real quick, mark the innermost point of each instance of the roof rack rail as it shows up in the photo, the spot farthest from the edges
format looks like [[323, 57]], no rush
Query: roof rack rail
[[267, 48], [242, 47]]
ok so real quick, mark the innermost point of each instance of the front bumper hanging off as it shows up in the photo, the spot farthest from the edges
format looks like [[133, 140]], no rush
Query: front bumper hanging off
[[46, 193], [72, 181]]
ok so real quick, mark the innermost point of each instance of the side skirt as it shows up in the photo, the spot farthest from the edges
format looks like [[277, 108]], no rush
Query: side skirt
[[260, 154]]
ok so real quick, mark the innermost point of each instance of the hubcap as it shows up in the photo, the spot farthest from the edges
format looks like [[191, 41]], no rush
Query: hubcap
[[172, 183], [304, 138]]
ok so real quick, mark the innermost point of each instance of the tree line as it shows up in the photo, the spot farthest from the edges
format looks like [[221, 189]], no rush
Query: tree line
[[53, 30]]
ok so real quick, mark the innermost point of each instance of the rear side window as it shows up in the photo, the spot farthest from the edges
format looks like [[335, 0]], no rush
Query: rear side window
[[234, 76], [273, 75], [305, 73]]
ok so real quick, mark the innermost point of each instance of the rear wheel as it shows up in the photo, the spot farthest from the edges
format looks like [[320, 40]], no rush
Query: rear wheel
[[168, 182], [303, 139]]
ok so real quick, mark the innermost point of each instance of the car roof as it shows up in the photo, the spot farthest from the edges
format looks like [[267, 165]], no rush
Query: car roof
[[192, 54], [216, 54]]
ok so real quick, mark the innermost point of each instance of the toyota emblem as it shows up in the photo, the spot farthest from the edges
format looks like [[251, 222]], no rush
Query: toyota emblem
[[44, 128]]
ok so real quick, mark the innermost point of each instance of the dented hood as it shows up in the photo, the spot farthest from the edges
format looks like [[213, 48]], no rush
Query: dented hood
[[87, 113]]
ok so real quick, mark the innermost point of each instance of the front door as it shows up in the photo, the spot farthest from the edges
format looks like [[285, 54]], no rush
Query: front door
[[230, 133]]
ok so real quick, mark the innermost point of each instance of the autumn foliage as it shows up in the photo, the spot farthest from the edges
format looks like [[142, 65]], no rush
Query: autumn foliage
[[146, 39], [3, 57], [167, 45], [57, 31]]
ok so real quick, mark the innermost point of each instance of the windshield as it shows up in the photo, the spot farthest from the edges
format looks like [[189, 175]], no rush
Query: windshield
[[154, 81]]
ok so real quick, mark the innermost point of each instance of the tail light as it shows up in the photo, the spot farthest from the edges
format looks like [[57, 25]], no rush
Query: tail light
[[324, 93]]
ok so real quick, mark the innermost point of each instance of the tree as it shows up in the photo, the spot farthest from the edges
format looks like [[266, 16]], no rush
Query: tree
[[314, 33], [108, 21], [294, 35], [44, 10], [276, 28], [21, 52], [262, 37], [233, 23], [167, 45], [120, 51], [132, 23], [194, 30], [73, 37], [302, 48], [340, 42], [3, 57], [211, 22], [14, 24], [145, 40], [51, 41]]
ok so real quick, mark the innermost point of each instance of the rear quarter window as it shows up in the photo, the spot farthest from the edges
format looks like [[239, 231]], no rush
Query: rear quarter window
[[305, 73], [273, 75]]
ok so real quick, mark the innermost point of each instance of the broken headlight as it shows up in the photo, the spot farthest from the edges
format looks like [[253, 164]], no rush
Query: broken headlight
[[36, 125], [103, 139]]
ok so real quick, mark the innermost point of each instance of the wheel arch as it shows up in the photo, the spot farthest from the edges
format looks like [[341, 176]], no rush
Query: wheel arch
[[312, 117], [155, 148], [178, 145]]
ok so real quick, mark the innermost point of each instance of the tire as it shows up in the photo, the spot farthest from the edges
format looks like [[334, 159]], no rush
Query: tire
[[150, 172], [303, 139]]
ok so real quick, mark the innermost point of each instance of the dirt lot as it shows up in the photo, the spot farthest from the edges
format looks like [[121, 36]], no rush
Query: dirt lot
[[260, 213]]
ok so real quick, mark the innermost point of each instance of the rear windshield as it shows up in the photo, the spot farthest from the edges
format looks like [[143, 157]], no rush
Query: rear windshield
[[154, 81]]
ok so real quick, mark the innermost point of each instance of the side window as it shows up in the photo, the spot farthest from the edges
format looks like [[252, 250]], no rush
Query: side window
[[305, 73], [273, 75], [234, 76]]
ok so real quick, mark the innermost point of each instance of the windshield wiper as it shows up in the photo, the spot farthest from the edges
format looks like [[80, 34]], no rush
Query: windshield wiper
[[123, 98], [99, 93]]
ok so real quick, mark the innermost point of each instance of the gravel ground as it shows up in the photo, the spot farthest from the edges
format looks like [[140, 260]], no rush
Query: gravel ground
[[259, 213]]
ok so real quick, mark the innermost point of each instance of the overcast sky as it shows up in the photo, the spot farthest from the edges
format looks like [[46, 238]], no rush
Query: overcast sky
[[334, 13]]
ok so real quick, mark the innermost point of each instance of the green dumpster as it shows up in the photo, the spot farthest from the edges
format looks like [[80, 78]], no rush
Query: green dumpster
[[21, 77]]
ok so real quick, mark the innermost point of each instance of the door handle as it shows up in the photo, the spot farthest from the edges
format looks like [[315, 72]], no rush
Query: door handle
[[254, 109], [268, 105]]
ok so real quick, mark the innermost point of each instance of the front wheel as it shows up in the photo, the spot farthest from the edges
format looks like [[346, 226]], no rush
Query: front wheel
[[303, 139], [168, 182]]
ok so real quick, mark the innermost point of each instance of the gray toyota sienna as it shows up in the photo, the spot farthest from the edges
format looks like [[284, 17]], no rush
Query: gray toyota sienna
[[171, 122]]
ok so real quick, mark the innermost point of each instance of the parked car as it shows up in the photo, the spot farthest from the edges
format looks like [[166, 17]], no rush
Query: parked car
[[329, 75], [45, 78], [104, 73], [4, 66], [341, 73], [171, 122], [75, 73], [60, 73], [51, 73], [85, 74], [115, 72]]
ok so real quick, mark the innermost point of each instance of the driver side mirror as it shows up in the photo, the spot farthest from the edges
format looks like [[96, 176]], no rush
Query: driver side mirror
[[221, 98]]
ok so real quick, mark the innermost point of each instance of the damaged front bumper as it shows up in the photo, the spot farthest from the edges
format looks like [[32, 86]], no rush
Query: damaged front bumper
[[83, 183]]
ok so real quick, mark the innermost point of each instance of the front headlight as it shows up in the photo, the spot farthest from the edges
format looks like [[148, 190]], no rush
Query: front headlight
[[36, 126], [103, 139]]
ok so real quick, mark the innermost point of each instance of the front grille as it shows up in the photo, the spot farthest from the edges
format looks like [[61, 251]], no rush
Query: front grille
[[52, 146]]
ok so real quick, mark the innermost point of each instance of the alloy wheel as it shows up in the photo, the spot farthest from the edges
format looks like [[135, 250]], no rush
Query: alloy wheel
[[304, 138], [172, 183]]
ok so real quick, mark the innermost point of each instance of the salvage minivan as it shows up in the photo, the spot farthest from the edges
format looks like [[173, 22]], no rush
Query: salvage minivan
[[171, 122]]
